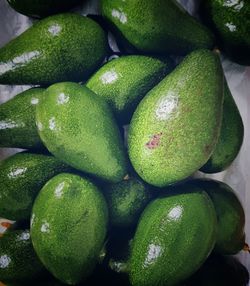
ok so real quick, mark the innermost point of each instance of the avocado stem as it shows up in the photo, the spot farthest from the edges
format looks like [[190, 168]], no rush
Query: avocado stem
[[246, 248], [126, 178], [216, 51], [118, 266]]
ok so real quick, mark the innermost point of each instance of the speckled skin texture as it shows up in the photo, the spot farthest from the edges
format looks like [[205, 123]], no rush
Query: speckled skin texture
[[59, 48], [176, 126], [78, 127], [124, 81], [19, 258], [160, 26], [231, 136], [170, 231], [42, 8], [17, 121], [68, 227], [230, 21], [21, 178], [126, 200], [231, 216]]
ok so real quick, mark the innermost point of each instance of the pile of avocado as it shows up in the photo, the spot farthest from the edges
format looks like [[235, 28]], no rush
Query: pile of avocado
[[104, 192]]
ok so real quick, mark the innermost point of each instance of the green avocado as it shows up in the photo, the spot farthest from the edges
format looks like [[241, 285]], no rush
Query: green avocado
[[124, 81], [18, 260], [78, 127], [42, 8], [21, 178], [175, 128], [230, 22], [160, 26], [231, 136], [231, 216], [18, 123], [68, 227], [59, 48], [175, 235]]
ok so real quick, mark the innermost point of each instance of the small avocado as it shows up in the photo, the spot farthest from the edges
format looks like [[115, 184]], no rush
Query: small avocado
[[124, 81], [230, 22], [78, 127], [160, 26], [231, 136], [42, 8], [175, 127], [21, 178], [175, 235], [63, 47], [18, 260], [18, 123], [68, 227]]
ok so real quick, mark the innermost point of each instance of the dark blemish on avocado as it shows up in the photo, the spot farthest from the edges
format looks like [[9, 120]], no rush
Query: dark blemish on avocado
[[154, 142]]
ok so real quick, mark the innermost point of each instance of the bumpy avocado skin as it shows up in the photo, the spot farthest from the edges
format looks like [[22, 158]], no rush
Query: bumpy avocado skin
[[78, 127], [21, 178], [176, 126], [170, 231], [59, 48], [161, 27], [68, 227], [42, 8], [18, 123], [231, 136], [124, 81]]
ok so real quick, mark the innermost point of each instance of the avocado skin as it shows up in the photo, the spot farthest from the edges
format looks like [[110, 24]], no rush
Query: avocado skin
[[78, 127], [170, 231], [230, 214], [230, 22], [18, 123], [17, 253], [231, 136], [42, 8], [126, 200], [21, 178], [68, 227], [160, 26], [175, 127], [124, 81], [59, 48]]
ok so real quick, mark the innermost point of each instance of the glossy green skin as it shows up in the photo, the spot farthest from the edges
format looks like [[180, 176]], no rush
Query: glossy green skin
[[78, 127], [42, 8], [17, 121], [126, 200], [124, 81], [230, 21], [18, 259], [58, 48], [171, 231], [230, 139], [21, 178], [176, 126], [68, 227], [160, 26], [231, 216]]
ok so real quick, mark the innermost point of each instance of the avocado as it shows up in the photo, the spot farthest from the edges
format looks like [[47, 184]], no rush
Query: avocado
[[175, 128], [18, 260], [21, 178], [59, 48], [68, 227], [230, 22], [174, 236], [231, 136], [126, 200], [18, 123], [160, 26], [78, 127], [124, 81], [230, 214], [42, 8]]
